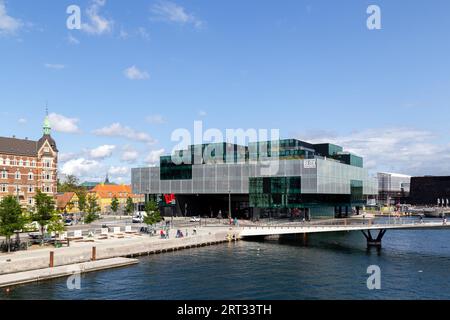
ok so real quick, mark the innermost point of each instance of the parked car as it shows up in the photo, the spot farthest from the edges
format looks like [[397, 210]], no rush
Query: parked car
[[68, 222], [138, 220], [195, 219], [139, 217]]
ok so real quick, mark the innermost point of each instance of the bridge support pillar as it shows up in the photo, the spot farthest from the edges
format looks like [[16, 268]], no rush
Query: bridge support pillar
[[374, 242]]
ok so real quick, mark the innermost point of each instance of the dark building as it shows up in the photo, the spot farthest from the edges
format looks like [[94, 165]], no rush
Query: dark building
[[429, 190]]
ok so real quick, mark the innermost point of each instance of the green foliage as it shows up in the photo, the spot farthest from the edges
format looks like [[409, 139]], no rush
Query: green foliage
[[153, 214], [82, 200], [11, 218], [115, 204], [44, 212], [72, 184], [129, 208], [92, 209]]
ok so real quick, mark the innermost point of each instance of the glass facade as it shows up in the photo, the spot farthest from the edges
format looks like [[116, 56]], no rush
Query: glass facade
[[327, 149], [171, 171], [275, 192], [350, 159], [276, 176]]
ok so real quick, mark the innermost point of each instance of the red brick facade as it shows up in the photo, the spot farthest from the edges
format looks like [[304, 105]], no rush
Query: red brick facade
[[27, 166]]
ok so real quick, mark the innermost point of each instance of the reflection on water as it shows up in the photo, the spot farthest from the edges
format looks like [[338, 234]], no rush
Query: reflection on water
[[414, 265]]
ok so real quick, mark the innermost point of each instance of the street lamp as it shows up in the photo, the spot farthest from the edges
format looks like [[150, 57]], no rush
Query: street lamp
[[229, 203]]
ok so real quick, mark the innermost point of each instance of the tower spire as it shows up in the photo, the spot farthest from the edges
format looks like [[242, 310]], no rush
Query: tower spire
[[47, 126]]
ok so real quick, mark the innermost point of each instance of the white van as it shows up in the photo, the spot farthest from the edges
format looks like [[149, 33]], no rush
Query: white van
[[139, 217]]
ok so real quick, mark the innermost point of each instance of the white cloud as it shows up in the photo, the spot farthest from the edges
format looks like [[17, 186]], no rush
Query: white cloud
[[123, 34], [117, 130], [64, 124], [102, 152], [120, 174], [153, 157], [156, 119], [402, 150], [97, 24], [129, 154], [72, 40], [133, 73], [143, 33], [119, 171], [55, 66], [171, 12], [22, 121], [8, 24], [82, 167], [64, 157]]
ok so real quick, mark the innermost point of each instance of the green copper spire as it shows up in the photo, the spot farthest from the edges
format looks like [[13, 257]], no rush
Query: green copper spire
[[47, 126]]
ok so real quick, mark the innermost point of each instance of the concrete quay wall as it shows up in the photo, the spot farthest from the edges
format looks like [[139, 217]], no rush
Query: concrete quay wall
[[40, 259]]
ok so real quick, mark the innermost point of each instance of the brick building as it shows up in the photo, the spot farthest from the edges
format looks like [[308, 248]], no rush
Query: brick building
[[27, 166]]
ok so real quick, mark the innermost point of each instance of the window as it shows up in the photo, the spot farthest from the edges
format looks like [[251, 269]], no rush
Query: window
[[4, 174], [30, 189], [30, 176], [2, 161], [30, 201], [47, 189], [18, 176], [21, 163], [3, 188], [47, 163], [13, 162], [8, 162], [27, 163], [33, 163], [48, 176]]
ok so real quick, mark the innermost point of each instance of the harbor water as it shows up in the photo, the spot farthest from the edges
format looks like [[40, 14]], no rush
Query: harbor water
[[414, 265]]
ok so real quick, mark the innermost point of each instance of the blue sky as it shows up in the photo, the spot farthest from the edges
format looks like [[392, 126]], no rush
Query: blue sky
[[138, 70]]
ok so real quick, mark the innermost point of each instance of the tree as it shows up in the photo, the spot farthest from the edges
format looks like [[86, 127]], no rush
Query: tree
[[129, 208], [71, 184], [44, 211], [115, 204], [81, 194], [11, 218], [92, 209], [153, 215]]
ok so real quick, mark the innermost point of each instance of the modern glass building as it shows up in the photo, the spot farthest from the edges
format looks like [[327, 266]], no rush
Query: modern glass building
[[393, 188], [286, 178]]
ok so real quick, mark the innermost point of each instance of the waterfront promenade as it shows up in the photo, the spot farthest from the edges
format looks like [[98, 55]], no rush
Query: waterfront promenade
[[131, 245]]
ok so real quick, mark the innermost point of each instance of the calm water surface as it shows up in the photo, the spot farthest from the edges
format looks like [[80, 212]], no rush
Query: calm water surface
[[414, 264]]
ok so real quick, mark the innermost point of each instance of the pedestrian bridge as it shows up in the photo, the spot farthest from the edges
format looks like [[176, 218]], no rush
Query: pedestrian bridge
[[366, 227]]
